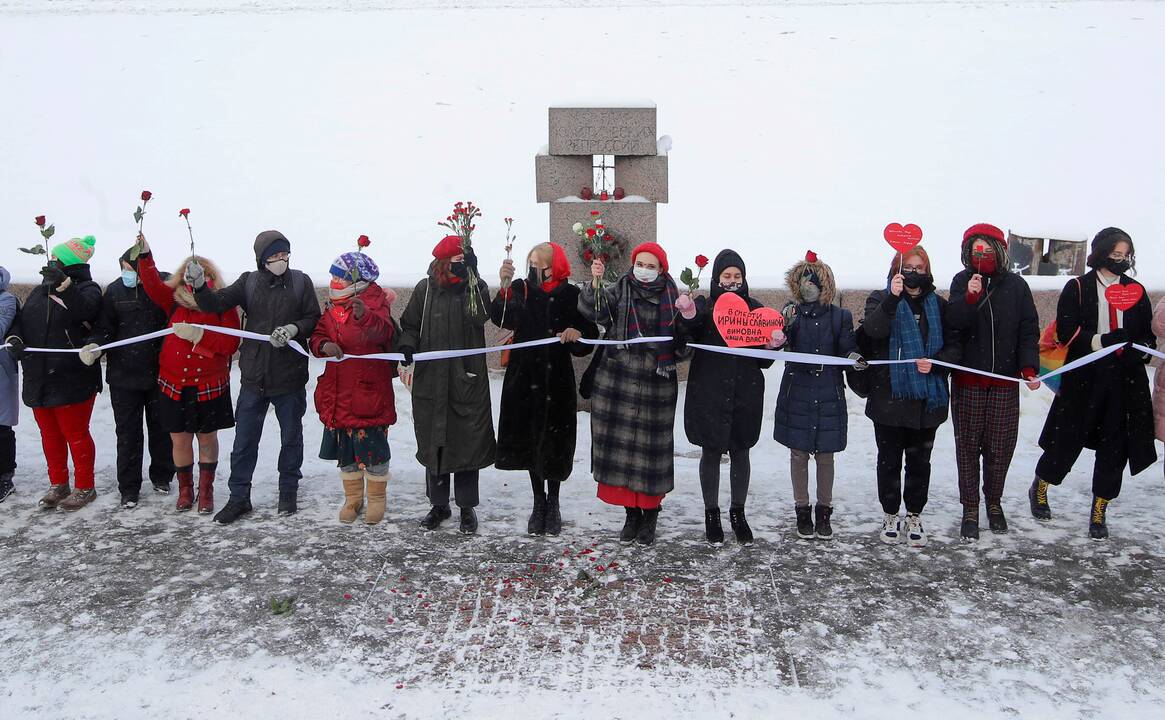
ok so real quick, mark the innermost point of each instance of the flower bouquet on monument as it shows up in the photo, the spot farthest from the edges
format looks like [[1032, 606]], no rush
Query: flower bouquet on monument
[[596, 242], [461, 223]]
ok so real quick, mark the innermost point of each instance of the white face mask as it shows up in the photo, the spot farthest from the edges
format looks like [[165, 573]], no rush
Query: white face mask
[[277, 267], [645, 275]]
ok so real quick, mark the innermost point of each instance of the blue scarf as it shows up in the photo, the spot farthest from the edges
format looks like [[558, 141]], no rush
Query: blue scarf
[[906, 344]]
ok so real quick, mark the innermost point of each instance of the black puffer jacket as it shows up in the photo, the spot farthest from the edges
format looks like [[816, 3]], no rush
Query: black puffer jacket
[[1001, 332], [269, 301], [125, 313], [56, 379]]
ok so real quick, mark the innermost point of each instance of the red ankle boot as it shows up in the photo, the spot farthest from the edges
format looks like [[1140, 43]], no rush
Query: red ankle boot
[[206, 487], [185, 477]]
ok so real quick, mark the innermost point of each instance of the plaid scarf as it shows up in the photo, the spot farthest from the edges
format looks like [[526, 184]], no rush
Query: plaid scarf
[[906, 344], [661, 290]]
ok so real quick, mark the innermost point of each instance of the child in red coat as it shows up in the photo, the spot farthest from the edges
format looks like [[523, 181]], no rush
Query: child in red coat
[[194, 375], [354, 398]]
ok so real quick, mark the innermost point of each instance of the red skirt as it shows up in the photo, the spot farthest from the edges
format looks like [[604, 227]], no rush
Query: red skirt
[[628, 498]]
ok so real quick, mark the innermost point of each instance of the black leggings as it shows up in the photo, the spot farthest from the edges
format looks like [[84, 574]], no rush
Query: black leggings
[[739, 471], [545, 489], [7, 449]]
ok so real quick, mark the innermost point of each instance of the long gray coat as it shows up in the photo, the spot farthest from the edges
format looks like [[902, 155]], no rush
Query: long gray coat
[[451, 401], [9, 369]]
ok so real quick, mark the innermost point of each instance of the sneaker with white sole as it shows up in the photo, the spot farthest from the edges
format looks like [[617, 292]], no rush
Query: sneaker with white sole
[[891, 529], [915, 535]]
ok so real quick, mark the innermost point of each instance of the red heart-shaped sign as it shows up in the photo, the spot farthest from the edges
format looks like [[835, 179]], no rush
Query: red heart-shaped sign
[[741, 327], [902, 239], [1124, 297]]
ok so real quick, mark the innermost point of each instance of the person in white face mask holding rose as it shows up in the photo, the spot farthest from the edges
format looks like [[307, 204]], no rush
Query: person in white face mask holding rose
[[633, 401]]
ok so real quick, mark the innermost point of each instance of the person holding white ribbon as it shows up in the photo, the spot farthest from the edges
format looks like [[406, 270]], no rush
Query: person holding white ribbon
[[194, 374], [1104, 405], [811, 417]]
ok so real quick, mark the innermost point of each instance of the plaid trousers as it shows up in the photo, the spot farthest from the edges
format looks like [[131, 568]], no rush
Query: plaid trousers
[[986, 421]]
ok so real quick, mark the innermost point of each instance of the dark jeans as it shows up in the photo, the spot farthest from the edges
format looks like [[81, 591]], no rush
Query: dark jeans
[[464, 489], [7, 449], [129, 406], [250, 412], [916, 445]]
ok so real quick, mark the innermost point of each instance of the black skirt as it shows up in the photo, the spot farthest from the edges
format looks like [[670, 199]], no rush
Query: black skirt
[[188, 415]]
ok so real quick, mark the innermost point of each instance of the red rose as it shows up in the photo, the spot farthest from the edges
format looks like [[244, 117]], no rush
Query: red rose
[[363, 241], [586, 193], [595, 212], [184, 212], [146, 195], [40, 221], [701, 261], [590, 232], [620, 193], [588, 255], [605, 258]]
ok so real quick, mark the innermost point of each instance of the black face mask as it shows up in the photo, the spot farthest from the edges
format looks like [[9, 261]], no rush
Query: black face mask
[[536, 277], [1117, 267], [459, 270], [915, 280]]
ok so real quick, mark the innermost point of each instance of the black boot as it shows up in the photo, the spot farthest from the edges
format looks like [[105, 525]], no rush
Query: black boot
[[804, 521], [646, 534], [995, 519], [537, 523], [233, 510], [713, 530], [468, 521], [553, 517], [1097, 528], [6, 486], [631, 525], [740, 526], [970, 528], [437, 514], [823, 529], [161, 487], [1037, 495], [287, 502]]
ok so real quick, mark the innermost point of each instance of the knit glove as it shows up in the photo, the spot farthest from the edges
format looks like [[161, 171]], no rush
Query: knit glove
[[195, 275], [53, 275], [283, 335], [776, 340], [90, 354], [686, 306], [1116, 337], [15, 347], [789, 312], [407, 351], [188, 332], [859, 361]]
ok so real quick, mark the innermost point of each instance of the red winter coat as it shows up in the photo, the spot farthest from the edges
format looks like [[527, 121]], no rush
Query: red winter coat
[[205, 365], [357, 393]]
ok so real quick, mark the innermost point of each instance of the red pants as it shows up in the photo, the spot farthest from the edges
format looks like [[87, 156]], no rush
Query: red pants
[[65, 430]]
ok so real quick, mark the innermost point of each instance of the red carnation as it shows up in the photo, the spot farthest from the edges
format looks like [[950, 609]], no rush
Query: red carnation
[[184, 212], [40, 221], [590, 232], [363, 241], [595, 212], [588, 255], [146, 195], [701, 261]]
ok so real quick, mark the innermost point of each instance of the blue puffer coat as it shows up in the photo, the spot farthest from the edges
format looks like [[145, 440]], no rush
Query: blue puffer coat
[[811, 412]]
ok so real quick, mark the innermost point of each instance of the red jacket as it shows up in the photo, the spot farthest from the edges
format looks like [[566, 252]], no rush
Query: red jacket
[[357, 393], [206, 365]]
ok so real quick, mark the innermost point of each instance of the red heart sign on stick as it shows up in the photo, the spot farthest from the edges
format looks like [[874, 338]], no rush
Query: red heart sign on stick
[[902, 239], [741, 327], [1124, 297]]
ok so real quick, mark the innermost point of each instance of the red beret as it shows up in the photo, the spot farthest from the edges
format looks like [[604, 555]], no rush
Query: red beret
[[654, 249], [450, 246], [986, 230]]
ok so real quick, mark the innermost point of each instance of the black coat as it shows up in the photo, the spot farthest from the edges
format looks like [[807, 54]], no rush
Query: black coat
[[56, 379], [273, 303], [881, 406], [125, 313], [1111, 390], [1001, 332], [537, 423]]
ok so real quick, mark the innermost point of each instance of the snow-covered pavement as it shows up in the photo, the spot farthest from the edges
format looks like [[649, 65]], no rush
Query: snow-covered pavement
[[112, 613]]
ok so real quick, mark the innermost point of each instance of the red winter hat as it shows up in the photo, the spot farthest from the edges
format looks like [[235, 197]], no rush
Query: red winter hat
[[985, 230], [654, 249], [811, 257], [450, 246]]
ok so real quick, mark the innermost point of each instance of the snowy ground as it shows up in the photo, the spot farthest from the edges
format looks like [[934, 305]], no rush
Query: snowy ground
[[148, 613]]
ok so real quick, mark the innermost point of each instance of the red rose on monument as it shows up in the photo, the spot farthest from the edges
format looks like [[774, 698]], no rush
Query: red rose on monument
[[588, 255], [701, 261], [590, 232]]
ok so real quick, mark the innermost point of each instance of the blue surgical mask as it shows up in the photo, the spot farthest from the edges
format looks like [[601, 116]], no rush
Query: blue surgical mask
[[129, 278]]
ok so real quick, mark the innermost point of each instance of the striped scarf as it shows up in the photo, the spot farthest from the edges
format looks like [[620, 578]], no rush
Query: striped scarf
[[906, 344]]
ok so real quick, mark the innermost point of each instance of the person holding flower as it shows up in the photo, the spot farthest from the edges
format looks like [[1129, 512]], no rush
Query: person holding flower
[[354, 398], [633, 403], [724, 404], [451, 401], [60, 313], [538, 420]]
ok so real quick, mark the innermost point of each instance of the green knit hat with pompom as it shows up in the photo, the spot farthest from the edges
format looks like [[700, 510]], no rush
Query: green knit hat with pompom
[[76, 251]]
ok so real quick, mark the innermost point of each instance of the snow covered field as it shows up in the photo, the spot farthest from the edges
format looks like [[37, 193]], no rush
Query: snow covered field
[[149, 613]]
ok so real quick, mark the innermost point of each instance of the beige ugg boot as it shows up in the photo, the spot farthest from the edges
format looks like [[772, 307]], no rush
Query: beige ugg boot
[[377, 489], [353, 495]]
